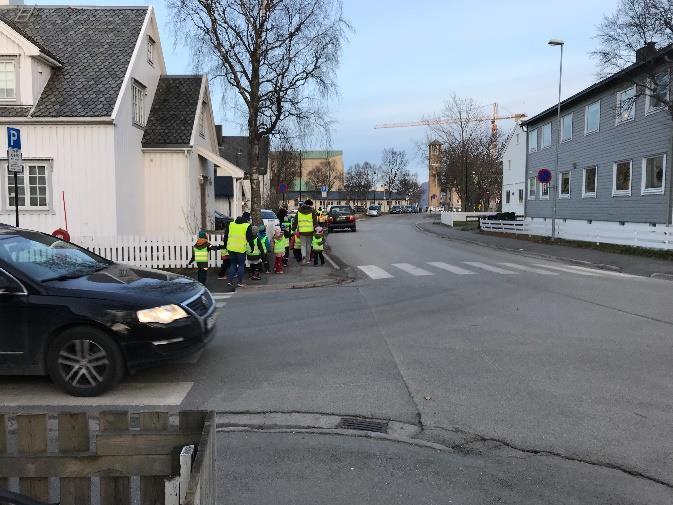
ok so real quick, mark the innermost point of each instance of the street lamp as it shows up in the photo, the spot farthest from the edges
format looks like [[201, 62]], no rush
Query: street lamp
[[374, 188], [554, 186]]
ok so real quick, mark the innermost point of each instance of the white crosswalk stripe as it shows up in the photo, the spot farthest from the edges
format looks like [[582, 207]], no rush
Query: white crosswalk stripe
[[570, 270], [526, 268], [411, 269], [221, 305], [222, 296], [490, 268], [450, 268], [375, 272]]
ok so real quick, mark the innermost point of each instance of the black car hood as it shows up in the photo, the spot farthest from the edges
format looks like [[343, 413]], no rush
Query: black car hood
[[129, 285]]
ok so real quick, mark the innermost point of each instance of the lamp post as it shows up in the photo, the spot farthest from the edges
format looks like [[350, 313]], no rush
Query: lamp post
[[554, 185], [374, 188]]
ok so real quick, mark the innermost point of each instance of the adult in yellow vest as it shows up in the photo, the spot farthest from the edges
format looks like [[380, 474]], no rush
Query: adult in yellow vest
[[237, 239], [306, 222]]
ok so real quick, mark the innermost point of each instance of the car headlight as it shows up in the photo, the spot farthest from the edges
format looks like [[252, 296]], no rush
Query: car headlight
[[163, 315]]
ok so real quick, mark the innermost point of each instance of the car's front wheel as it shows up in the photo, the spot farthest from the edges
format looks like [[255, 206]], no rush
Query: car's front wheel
[[84, 361]]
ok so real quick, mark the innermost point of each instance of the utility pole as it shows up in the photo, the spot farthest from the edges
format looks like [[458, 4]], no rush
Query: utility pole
[[300, 174], [555, 181]]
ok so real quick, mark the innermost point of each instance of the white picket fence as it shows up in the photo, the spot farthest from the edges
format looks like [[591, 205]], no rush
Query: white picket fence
[[660, 237], [448, 218], [148, 252]]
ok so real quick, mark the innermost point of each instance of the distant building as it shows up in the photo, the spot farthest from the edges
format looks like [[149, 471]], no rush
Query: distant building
[[311, 160], [514, 172], [437, 197]]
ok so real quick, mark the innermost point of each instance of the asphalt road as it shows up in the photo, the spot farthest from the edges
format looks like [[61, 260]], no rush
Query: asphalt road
[[481, 349]]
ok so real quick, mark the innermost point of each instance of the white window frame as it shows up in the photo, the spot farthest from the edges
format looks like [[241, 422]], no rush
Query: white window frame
[[551, 131], [618, 111], [11, 99], [150, 50], [532, 148], [585, 193], [653, 191], [542, 196], [517, 139], [138, 90], [586, 118], [5, 207], [648, 96], [532, 186], [560, 185], [572, 122], [522, 195], [202, 119], [621, 192], [508, 196]]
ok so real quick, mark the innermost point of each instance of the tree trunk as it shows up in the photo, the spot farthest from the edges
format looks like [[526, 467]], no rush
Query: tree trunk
[[255, 190]]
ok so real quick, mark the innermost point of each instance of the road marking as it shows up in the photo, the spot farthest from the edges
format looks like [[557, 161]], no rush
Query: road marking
[[331, 262], [529, 269], [411, 269], [375, 272], [570, 270], [598, 271], [221, 296], [450, 268], [221, 305], [44, 393], [490, 268]]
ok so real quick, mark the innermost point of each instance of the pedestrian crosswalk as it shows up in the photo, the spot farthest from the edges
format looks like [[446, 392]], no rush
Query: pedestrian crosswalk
[[221, 298], [431, 268]]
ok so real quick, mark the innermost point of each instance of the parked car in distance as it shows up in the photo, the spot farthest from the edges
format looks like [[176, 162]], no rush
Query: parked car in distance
[[86, 321], [395, 209], [341, 217], [374, 210], [360, 209], [407, 209], [270, 220]]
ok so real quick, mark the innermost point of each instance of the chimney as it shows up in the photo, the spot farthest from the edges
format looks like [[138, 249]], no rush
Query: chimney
[[646, 52], [218, 134]]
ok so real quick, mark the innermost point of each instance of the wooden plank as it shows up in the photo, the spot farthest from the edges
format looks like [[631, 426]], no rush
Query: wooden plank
[[73, 436], [138, 443], [3, 448], [202, 485], [32, 439], [85, 465], [114, 490], [152, 489]]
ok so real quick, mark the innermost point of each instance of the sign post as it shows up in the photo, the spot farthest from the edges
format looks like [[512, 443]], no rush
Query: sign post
[[14, 163], [323, 191]]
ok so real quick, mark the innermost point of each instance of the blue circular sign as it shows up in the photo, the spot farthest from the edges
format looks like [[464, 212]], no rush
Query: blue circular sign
[[544, 175], [282, 187]]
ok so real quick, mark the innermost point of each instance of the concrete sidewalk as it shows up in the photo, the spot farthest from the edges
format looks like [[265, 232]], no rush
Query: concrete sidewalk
[[630, 264]]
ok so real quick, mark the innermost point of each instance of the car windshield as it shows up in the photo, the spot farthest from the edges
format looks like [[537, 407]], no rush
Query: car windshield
[[374, 207], [268, 214], [43, 258], [341, 211]]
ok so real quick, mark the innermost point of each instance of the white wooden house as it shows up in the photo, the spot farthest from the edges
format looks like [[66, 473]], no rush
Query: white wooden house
[[106, 135]]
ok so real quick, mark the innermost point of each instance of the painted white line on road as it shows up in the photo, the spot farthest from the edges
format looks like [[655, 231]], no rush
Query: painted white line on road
[[570, 270], [528, 269], [331, 262], [411, 269], [599, 271], [126, 393], [490, 268], [375, 272], [450, 268], [221, 305], [221, 296]]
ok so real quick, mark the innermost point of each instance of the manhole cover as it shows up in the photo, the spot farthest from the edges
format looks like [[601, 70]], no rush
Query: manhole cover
[[352, 423]]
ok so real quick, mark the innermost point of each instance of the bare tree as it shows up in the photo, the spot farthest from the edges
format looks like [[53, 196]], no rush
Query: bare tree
[[323, 175], [394, 163], [359, 181], [638, 26], [279, 56], [409, 187], [284, 169]]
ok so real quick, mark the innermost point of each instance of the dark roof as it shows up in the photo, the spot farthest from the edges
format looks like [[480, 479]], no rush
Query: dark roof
[[343, 195], [603, 84], [173, 112], [94, 46], [224, 186], [14, 111], [234, 149]]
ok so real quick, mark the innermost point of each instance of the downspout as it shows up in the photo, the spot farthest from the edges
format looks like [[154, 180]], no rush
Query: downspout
[[669, 215]]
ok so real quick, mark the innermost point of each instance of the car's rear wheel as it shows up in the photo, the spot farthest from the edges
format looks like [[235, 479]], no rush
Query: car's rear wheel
[[84, 361]]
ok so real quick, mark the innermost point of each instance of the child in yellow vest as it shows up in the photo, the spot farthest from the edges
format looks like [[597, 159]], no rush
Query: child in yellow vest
[[200, 255], [279, 242], [318, 246]]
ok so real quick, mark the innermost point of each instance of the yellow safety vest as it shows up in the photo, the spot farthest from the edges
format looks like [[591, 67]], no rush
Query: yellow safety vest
[[279, 245], [305, 222], [236, 241], [297, 242], [255, 251], [317, 243], [224, 253], [201, 255]]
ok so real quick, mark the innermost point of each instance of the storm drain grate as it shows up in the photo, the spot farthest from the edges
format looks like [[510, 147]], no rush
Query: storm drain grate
[[352, 423]]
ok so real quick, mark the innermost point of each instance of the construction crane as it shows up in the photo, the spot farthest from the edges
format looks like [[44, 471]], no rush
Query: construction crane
[[493, 118]]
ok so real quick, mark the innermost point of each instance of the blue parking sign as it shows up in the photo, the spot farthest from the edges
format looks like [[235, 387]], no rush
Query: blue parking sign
[[13, 138]]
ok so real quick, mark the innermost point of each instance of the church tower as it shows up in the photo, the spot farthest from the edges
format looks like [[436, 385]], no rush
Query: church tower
[[434, 160]]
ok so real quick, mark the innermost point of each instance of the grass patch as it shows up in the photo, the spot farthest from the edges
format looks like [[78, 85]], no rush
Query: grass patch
[[466, 225]]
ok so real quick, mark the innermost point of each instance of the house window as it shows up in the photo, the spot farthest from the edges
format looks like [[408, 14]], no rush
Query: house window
[[507, 196], [517, 139], [532, 141], [546, 135], [653, 175], [7, 80], [564, 185], [32, 186], [567, 127], [589, 185], [150, 50], [621, 179], [531, 188], [658, 95], [626, 105], [202, 120], [544, 191], [592, 117], [138, 103], [521, 196]]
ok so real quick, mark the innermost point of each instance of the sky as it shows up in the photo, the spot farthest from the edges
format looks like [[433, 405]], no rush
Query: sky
[[405, 58]]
